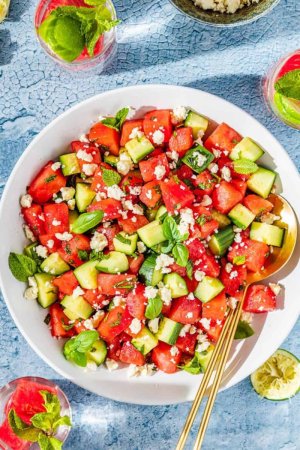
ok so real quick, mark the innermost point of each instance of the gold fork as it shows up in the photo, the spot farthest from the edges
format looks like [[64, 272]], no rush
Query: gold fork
[[277, 259]]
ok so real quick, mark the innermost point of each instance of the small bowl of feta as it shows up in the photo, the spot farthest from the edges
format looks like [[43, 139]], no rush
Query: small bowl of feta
[[225, 13]]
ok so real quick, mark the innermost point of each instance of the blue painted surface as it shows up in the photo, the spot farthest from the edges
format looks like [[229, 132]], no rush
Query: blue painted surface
[[156, 44]]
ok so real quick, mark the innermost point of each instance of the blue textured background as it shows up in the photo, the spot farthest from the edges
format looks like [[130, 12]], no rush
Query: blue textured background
[[156, 44]]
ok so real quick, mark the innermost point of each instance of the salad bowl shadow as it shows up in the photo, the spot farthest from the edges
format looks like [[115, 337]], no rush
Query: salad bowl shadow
[[161, 388]]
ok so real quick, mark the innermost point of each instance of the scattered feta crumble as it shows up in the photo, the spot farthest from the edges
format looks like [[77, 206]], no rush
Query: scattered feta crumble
[[269, 218], [200, 159], [191, 296], [174, 350], [136, 209], [173, 155], [55, 166], [165, 294], [115, 192], [247, 317], [224, 6], [31, 292], [64, 236], [136, 133], [125, 164], [135, 326], [206, 200], [179, 114], [159, 171], [153, 325], [41, 251], [26, 201], [83, 138], [276, 288], [50, 243], [77, 292], [89, 169], [213, 168], [135, 190], [232, 302], [226, 174], [228, 267], [56, 223], [150, 292], [28, 233], [145, 370], [84, 156], [111, 364], [67, 193], [187, 221], [163, 262], [205, 322], [199, 275], [88, 324], [158, 137]]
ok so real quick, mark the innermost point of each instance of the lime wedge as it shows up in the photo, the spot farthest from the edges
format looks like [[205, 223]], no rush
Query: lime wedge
[[288, 108], [4, 5], [279, 377]]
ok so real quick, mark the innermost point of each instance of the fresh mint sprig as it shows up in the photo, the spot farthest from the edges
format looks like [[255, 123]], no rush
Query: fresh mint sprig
[[174, 241], [289, 84], [117, 121], [43, 425], [21, 266], [75, 349]]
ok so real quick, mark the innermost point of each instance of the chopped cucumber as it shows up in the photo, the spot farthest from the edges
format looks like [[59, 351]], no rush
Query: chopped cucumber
[[138, 148], [241, 216], [279, 377], [78, 307], [152, 233], [98, 352], [160, 212], [246, 149], [196, 122], [261, 182], [70, 314], [83, 196], [204, 357], [29, 250], [198, 158], [168, 331], [176, 284], [220, 241], [269, 234], [114, 262], [111, 160], [125, 243], [150, 275], [208, 289], [47, 292], [54, 264], [145, 341], [87, 274], [69, 164], [221, 218]]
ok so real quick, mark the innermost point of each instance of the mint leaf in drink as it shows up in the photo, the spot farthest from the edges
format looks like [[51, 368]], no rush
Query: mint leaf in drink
[[43, 421], [117, 121], [22, 429], [51, 403], [21, 266], [75, 349], [289, 84], [49, 443]]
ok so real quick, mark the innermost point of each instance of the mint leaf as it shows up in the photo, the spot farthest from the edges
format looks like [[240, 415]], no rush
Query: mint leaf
[[86, 221], [244, 166], [170, 229], [166, 246], [181, 254], [153, 308], [117, 121], [75, 349], [147, 269], [244, 330], [289, 84], [64, 421], [21, 429], [21, 266], [110, 177], [239, 260], [193, 366], [95, 2], [49, 443], [51, 403], [43, 421]]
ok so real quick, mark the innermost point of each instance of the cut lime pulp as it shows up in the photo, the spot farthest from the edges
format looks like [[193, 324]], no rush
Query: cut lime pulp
[[4, 5], [279, 377]]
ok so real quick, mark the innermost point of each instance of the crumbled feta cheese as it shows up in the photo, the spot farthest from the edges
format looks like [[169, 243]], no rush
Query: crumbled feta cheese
[[158, 137], [199, 275], [118, 300], [238, 238], [191, 296], [247, 317], [149, 194], [31, 293], [150, 292], [135, 190], [233, 274], [200, 159], [173, 155], [84, 156], [83, 138], [67, 193], [98, 242], [111, 364], [56, 166], [236, 229], [136, 209], [153, 325], [141, 247], [228, 267], [32, 282], [28, 233], [179, 114], [125, 164], [89, 169], [100, 196], [88, 323], [276, 288], [185, 329], [41, 251], [91, 365], [78, 292], [213, 168], [71, 204], [136, 133], [165, 294], [189, 315], [232, 302], [226, 174], [56, 223], [64, 236], [145, 370], [174, 350], [159, 172], [206, 200], [217, 153], [193, 329], [269, 218], [201, 347], [187, 221], [205, 322], [135, 326], [224, 6], [115, 192], [26, 201], [163, 262]]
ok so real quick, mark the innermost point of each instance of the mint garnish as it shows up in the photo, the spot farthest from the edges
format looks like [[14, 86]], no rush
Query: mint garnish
[[75, 349], [289, 84], [69, 29], [21, 266]]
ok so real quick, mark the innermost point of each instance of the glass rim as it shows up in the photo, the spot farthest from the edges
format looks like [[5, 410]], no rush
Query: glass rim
[[111, 35]]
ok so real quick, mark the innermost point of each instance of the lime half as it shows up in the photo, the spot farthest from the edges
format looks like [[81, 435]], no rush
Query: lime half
[[4, 5], [279, 377]]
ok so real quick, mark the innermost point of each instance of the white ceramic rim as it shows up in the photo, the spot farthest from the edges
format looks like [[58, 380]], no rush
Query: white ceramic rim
[[180, 387]]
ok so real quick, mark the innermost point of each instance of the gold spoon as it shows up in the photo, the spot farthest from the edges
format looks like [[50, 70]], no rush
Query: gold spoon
[[277, 260]]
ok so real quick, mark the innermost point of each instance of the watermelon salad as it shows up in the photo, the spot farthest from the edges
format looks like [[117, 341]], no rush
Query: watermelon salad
[[142, 235]]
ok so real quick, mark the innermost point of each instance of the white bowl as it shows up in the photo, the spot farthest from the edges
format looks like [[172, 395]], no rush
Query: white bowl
[[247, 355]]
